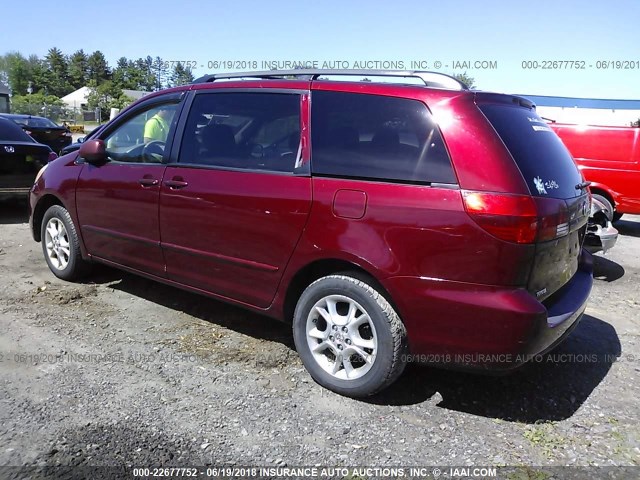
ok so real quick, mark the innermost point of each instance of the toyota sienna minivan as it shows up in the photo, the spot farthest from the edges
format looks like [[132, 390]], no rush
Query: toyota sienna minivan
[[387, 221]]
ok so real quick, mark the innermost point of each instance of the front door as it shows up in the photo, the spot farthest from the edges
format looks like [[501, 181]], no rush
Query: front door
[[117, 202]]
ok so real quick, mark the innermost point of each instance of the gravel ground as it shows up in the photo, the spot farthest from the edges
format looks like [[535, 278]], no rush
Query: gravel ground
[[124, 371]]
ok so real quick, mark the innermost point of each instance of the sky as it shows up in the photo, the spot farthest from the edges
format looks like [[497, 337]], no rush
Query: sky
[[505, 46]]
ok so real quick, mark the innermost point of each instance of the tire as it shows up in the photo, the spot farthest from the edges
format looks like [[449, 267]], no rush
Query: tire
[[60, 244], [359, 342], [607, 203]]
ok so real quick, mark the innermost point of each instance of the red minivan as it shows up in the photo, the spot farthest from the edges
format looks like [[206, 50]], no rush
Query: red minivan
[[388, 222], [609, 157]]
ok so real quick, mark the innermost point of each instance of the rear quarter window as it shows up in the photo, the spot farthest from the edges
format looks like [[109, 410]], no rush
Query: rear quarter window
[[376, 137], [543, 160]]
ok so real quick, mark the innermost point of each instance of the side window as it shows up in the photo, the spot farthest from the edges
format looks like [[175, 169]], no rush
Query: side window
[[142, 137], [259, 131], [376, 137]]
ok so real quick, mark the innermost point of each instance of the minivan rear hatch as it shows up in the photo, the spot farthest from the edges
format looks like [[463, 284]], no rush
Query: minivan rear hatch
[[555, 183]]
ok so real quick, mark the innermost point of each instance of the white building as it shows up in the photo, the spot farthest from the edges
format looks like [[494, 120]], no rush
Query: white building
[[78, 99]]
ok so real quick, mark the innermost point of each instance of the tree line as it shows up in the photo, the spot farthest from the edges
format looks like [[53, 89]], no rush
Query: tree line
[[45, 80], [59, 74]]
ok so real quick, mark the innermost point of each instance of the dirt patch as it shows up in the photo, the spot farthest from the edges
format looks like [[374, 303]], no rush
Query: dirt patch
[[221, 345], [62, 295]]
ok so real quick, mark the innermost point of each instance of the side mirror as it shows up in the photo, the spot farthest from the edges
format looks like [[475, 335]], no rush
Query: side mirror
[[93, 151], [80, 140]]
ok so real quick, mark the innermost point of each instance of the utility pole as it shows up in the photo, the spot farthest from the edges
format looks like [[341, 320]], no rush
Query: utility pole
[[30, 91]]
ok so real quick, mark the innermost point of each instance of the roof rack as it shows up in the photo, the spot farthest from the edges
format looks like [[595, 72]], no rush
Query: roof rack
[[430, 79]]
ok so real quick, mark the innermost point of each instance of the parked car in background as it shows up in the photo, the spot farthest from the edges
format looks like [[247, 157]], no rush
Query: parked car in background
[[42, 130], [21, 157], [601, 234], [78, 143], [387, 222], [609, 157]]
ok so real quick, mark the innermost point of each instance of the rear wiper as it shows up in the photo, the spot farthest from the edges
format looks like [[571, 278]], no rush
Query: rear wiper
[[582, 185]]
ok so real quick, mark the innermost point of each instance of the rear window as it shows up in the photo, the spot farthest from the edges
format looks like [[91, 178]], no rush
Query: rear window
[[11, 132], [544, 161], [37, 122], [376, 137]]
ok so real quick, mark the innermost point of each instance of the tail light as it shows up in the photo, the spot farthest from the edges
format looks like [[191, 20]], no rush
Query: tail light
[[52, 156], [517, 218], [552, 227]]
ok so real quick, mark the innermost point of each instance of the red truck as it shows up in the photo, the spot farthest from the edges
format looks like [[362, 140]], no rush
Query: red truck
[[609, 158]]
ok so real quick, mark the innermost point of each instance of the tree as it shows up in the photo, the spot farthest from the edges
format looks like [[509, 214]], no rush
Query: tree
[[466, 79], [98, 68], [160, 69], [17, 72], [106, 96], [38, 104], [58, 68], [180, 75], [137, 74], [120, 74], [39, 75], [133, 75], [78, 67], [4, 70], [147, 80]]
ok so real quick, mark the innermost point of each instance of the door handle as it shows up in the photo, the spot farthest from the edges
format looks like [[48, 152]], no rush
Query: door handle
[[176, 184], [148, 182]]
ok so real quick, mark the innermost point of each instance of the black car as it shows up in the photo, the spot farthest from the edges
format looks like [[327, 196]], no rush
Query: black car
[[42, 130], [21, 157], [76, 145]]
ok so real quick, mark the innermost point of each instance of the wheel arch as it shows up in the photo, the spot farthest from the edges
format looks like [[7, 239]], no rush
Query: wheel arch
[[44, 203], [321, 268], [600, 189]]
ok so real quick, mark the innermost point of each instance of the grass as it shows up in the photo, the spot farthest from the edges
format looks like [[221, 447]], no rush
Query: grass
[[544, 438]]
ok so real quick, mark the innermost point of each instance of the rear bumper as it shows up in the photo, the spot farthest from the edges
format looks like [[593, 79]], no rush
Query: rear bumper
[[466, 325]]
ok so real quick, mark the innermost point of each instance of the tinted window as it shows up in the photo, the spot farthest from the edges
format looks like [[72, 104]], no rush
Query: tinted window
[[243, 130], [37, 122], [141, 138], [376, 137], [544, 161], [12, 132]]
